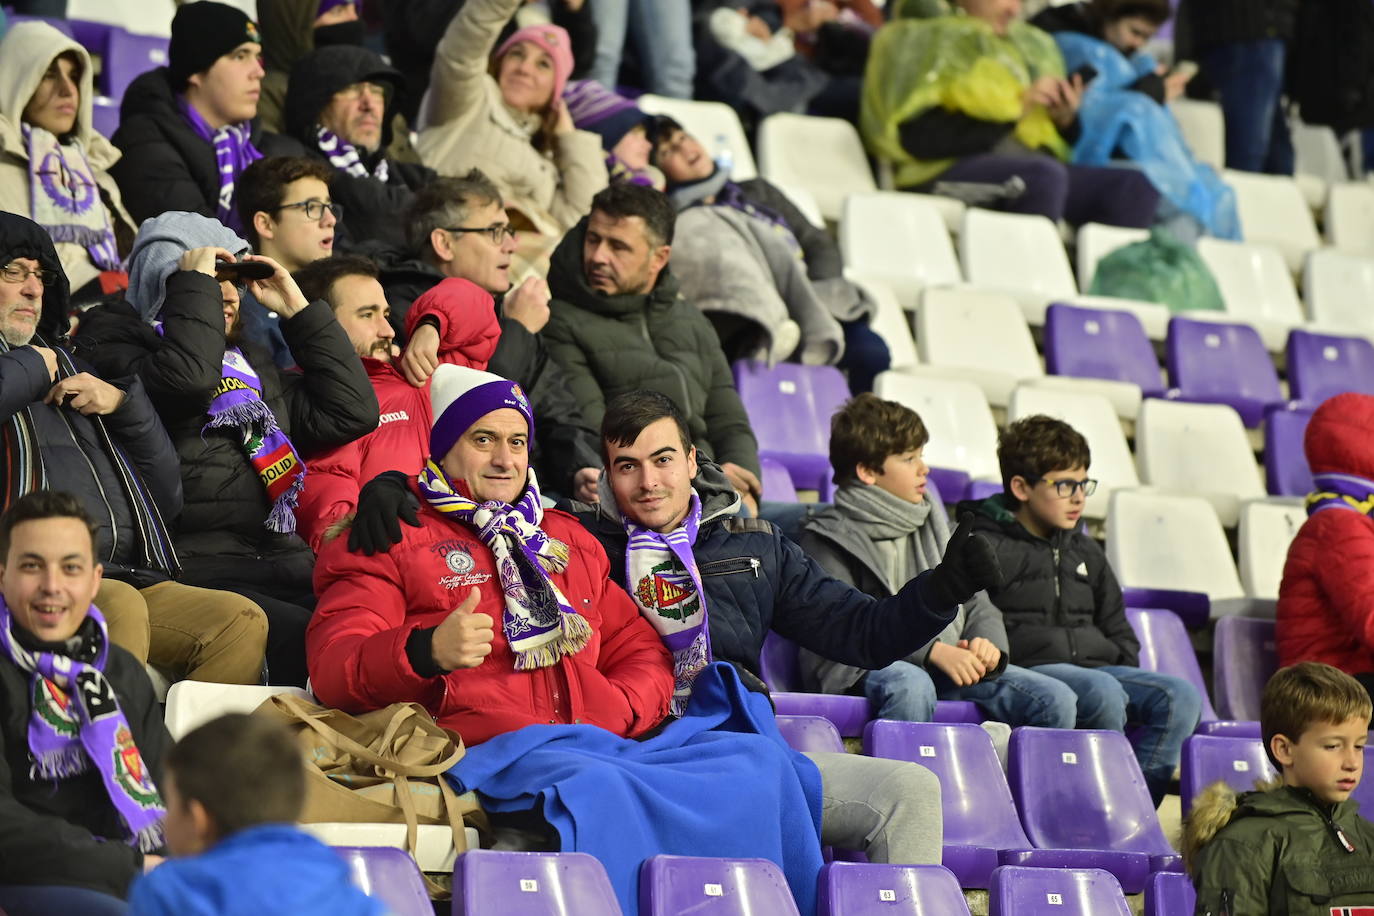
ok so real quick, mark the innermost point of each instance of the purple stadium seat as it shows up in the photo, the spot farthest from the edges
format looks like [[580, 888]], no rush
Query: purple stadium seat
[[789, 408], [129, 55], [1060, 780], [980, 816], [810, 733], [851, 889], [1321, 365], [491, 883], [390, 875], [950, 484], [1243, 659], [1238, 762], [104, 116], [777, 483], [1286, 470], [94, 37], [1218, 363], [1018, 891], [1166, 648], [60, 24], [671, 885], [1100, 343], [1169, 894], [982, 489]]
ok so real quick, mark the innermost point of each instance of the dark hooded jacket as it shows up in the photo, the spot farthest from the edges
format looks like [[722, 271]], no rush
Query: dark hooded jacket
[[373, 210], [1060, 601], [166, 165], [76, 452], [329, 403], [756, 580], [608, 345]]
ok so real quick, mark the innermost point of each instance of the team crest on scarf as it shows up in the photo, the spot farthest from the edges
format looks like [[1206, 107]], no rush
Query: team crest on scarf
[[130, 772], [669, 591], [53, 706]]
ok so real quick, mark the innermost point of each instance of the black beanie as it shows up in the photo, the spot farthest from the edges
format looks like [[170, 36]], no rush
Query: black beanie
[[202, 33]]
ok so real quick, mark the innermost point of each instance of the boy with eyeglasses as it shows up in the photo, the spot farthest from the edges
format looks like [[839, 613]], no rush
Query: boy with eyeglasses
[[1062, 606]]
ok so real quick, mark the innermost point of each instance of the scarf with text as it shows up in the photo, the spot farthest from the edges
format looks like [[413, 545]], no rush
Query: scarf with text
[[237, 402], [539, 623], [661, 576], [234, 151], [345, 157], [1341, 491], [76, 721], [65, 197]]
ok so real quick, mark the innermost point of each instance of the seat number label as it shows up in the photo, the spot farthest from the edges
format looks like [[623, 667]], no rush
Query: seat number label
[[1069, 757], [529, 885], [885, 894], [927, 750], [1054, 899], [714, 890]]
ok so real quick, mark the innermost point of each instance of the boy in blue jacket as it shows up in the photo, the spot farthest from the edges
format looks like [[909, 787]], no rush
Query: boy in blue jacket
[[233, 790]]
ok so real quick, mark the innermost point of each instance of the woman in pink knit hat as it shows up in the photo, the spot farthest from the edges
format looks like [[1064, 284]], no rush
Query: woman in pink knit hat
[[503, 112]]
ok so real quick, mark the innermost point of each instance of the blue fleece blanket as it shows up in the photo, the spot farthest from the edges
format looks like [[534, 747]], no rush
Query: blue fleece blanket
[[718, 782]]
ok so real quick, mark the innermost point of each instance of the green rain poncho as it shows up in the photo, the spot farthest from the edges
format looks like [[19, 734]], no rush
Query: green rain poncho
[[961, 64]]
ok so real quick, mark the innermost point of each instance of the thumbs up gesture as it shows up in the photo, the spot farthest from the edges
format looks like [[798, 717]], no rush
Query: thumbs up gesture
[[970, 565], [463, 640]]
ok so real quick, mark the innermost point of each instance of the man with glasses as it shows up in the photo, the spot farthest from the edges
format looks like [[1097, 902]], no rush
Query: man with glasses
[[1063, 609], [339, 109]]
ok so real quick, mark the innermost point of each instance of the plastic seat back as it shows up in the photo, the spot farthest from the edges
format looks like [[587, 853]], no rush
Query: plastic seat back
[[1338, 287], [1222, 364], [1165, 647], [1350, 218], [1020, 891], [810, 733], [1322, 365], [889, 321], [790, 407], [1243, 660], [673, 885], [823, 155], [127, 56], [1100, 343], [963, 434], [1274, 212], [861, 889], [1170, 542], [1093, 416], [1266, 532], [715, 125], [1254, 280], [1096, 241], [193, 703], [1238, 762], [1198, 450], [1285, 461], [389, 875], [778, 663], [491, 883], [964, 329], [899, 238], [777, 483], [1204, 129], [1015, 251], [1169, 894]]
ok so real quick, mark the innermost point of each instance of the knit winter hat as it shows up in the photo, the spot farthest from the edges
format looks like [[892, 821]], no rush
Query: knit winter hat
[[602, 111], [1337, 438], [158, 247], [202, 33], [553, 39], [459, 397]]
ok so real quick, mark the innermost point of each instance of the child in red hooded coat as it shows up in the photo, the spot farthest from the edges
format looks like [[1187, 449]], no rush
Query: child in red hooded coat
[[1326, 599]]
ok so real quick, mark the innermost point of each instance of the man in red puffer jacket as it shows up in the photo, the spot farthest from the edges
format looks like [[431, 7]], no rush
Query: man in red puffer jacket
[[493, 613], [453, 322], [1326, 599]]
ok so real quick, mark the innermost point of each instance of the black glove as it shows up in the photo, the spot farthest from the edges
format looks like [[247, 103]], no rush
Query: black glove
[[970, 565], [382, 503]]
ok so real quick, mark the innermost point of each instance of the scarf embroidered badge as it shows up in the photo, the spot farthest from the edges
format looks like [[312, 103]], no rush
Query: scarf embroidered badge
[[345, 157], [661, 576], [237, 402], [538, 622], [65, 197], [234, 152], [1341, 491], [76, 721]]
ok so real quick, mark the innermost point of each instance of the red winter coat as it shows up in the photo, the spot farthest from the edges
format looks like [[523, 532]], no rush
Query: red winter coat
[[468, 333], [368, 607], [1326, 600]]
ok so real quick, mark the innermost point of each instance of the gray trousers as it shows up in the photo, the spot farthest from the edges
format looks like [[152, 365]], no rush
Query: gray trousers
[[886, 809]]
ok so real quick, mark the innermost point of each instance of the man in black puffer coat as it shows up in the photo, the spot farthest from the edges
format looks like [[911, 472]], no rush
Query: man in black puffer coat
[[237, 529]]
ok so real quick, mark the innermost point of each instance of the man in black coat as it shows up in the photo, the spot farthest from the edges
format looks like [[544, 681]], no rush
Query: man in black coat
[[97, 436], [80, 729], [242, 427]]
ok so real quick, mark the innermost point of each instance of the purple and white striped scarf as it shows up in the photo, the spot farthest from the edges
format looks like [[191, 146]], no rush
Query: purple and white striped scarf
[[234, 151], [540, 624], [1341, 491], [75, 721], [65, 197], [661, 576], [345, 157]]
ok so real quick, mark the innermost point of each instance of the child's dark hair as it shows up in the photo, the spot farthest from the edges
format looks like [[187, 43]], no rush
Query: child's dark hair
[[246, 770], [1302, 695], [866, 430], [262, 186], [1034, 446]]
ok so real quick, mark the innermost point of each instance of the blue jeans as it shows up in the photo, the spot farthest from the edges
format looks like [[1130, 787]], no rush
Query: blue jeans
[[1249, 75], [1166, 707], [662, 33], [47, 899], [1018, 696]]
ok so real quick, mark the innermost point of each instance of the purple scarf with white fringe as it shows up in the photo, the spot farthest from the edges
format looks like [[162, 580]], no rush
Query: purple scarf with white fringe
[[76, 721], [237, 402], [1341, 491], [345, 157], [538, 622], [661, 576], [65, 199], [234, 151]]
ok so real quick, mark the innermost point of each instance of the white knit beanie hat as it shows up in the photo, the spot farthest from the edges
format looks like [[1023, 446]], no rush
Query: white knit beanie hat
[[460, 396]]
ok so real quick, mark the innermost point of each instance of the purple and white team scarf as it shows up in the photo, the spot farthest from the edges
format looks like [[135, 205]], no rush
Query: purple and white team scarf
[[344, 156], [65, 197], [540, 624], [661, 576], [75, 721], [234, 151], [1341, 491], [237, 402]]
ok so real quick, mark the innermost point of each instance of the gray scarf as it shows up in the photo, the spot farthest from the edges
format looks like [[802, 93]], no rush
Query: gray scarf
[[884, 517]]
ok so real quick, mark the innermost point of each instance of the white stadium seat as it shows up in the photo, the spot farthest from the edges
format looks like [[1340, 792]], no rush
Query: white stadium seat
[[1204, 129], [979, 336], [899, 239], [1266, 531], [963, 435], [193, 703], [1274, 212], [1350, 218], [714, 124], [1198, 450], [823, 155], [1096, 241], [1339, 289], [1255, 286], [889, 322]]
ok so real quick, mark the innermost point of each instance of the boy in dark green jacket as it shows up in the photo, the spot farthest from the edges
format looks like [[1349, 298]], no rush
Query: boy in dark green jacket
[[1297, 846]]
